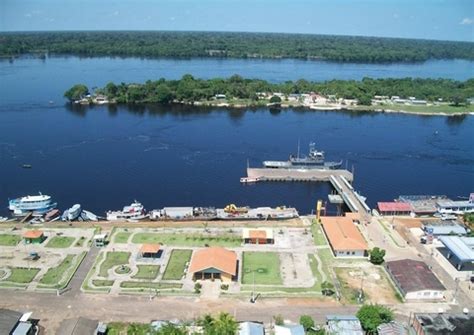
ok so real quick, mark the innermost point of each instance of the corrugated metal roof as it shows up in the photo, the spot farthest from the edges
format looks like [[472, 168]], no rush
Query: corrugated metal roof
[[394, 207], [251, 328], [462, 247]]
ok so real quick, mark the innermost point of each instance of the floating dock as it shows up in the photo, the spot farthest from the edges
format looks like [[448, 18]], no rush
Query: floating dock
[[306, 175]]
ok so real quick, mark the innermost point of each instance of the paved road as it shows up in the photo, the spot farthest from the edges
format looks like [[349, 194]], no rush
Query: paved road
[[74, 287]]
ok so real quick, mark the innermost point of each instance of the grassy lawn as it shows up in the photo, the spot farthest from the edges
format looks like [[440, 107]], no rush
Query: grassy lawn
[[112, 259], [9, 240], [318, 235], [147, 272], [22, 275], [120, 328], [266, 266], [122, 237], [54, 275], [176, 264], [60, 242], [102, 283], [140, 284], [192, 240]]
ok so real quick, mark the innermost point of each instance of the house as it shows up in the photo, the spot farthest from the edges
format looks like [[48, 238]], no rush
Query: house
[[394, 208], [462, 248], [440, 323], [343, 325], [16, 323], [258, 236], [214, 263], [251, 328], [446, 206], [415, 280], [344, 237], [33, 236], [100, 240], [152, 251], [289, 330]]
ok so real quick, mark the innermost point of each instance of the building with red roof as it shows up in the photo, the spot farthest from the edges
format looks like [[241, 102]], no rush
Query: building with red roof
[[394, 208]]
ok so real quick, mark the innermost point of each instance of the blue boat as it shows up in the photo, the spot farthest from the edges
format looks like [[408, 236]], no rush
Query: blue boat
[[36, 204]]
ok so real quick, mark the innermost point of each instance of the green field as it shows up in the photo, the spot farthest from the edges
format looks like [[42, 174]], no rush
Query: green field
[[318, 234], [191, 240], [54, 275], [147, 272], [9, 240], [102, 283], [141, 284], [122, 237], [22, 275], [176, 264], [265, 265], [60, 242], [112, 259]]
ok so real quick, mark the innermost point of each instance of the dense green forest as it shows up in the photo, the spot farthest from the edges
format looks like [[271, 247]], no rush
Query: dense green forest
[[190, 89], [238, 45]]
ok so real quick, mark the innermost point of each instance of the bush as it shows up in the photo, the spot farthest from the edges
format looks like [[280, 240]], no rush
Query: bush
[[327, 288], [307, 322], [224, 287], [372, 316], [275, 99], [278, 320], [377, 256]]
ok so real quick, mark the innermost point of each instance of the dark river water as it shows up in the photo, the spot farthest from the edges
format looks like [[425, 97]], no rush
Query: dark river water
[[106, 157]]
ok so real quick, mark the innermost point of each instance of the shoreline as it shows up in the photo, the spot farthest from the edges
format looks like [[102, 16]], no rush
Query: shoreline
[[329, 108]]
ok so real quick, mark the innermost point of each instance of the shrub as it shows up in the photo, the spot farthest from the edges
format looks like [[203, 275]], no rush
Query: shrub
[[372, 316], [377, 255], [278, 320], [307, 322], [224, 287]]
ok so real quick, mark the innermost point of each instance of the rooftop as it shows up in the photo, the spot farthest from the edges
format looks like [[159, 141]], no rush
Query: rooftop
[[8, 320], [394, 207], [461, 247], [150, 248], [413, 276], [343, 233], [214, 257], [451, 203], [251, 328], [32, 233], [263, 233], [344, 325], [289, 330], [441, 324]]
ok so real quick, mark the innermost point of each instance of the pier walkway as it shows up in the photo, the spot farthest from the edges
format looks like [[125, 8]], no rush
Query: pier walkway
[[352, 199], [307, 175]]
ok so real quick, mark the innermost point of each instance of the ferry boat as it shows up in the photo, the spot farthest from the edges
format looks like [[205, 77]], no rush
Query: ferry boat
[[36, 204], [134, 212], [314, 160]]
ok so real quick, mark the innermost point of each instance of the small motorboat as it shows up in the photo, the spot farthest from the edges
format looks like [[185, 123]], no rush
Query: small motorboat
[[52, 215], [27, 166]]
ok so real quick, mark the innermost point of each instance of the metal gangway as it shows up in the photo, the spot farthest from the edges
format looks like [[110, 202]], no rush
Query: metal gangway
[[354, 201]]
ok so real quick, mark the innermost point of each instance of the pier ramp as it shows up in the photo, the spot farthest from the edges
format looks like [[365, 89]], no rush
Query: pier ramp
[[306, 175]]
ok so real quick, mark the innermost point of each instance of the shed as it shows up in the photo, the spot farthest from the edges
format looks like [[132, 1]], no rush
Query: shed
[[214, 263], [100, 240], [33, 236], [258, 236], [343, 325], [441, 227], [440, 324], [151, 250], [178, 212], [394, 208], [392, 328], [289, 330], [415, 280], [251, 328]]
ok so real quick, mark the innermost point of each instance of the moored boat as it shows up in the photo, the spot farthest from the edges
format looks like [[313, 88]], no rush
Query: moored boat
[[52, 215], [314, 160], [38, 205], [135, 211], [74, 212], [89, 216]]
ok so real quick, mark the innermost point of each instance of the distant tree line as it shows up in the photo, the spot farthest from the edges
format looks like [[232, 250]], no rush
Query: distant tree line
[[190, 89], [232, 44]]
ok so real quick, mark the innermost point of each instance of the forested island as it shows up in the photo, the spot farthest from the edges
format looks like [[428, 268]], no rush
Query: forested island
[[232, 44], [408, 94]]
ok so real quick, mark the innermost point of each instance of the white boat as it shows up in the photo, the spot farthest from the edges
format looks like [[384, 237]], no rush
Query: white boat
[[89, 216], [36, 204], [3, 219], [135, 211], [248, 180], [74, 212]]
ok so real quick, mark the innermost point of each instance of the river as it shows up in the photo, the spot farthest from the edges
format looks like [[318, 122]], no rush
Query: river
[[105, 158]]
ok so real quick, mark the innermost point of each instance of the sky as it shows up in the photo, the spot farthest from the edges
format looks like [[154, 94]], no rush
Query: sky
[[428, 19]]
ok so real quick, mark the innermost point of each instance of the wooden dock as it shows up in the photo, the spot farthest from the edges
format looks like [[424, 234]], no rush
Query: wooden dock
[[261, 174]]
